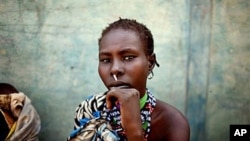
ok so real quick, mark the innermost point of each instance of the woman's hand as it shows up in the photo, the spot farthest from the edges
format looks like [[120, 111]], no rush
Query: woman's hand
[[129, 102]]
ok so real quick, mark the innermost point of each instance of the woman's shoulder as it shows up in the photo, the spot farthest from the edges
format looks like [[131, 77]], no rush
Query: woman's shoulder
[[165, 111], [91, 104], [94, 99], [171, 119]]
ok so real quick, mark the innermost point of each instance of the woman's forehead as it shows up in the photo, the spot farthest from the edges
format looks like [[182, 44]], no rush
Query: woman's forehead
[[121, 38]]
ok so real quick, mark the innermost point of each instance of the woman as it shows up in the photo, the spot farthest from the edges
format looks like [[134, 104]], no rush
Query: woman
[[19, 120], [128, 110]]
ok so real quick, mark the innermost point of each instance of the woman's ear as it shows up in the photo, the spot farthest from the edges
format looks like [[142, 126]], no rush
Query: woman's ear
[[151, 60]]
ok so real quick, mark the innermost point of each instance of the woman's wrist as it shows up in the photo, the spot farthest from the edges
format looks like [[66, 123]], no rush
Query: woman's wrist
[[135, 135]]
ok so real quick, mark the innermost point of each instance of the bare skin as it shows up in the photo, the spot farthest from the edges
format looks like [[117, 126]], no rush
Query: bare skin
[[123, 54], [169, 125]]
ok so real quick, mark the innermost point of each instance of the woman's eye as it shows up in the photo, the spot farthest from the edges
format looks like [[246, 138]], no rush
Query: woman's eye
[[129, 58], [105, 60]]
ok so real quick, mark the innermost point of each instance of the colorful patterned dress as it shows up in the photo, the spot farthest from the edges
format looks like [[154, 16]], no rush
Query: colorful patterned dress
[[94, 122]]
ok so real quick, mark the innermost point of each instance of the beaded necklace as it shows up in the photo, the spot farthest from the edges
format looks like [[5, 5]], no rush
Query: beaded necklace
[[113, 116]]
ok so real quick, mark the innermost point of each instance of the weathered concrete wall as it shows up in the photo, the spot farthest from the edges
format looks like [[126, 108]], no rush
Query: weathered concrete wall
[[228, 98], [48, 50]]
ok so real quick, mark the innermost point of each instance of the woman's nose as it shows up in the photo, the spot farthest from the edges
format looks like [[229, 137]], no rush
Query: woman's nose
[[117, 68]]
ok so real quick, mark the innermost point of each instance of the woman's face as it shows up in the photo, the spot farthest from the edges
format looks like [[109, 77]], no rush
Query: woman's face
[[122, 53]]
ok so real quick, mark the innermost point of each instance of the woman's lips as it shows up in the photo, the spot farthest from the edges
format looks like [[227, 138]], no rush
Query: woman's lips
[[119, 84], [123, 86]]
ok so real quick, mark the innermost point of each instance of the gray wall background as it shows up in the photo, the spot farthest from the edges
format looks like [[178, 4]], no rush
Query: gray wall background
[[48, 50]]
